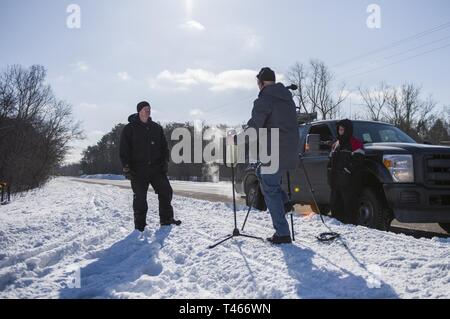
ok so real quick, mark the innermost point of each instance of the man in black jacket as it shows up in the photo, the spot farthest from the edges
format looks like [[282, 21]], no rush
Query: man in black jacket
[[145, 157]]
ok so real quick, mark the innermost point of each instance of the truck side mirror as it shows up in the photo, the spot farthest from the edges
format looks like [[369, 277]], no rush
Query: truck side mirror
[[312, 144]]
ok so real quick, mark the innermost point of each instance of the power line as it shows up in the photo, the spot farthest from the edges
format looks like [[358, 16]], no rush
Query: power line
[[398, 54], [399, 61], [394, 44], [417, 47]]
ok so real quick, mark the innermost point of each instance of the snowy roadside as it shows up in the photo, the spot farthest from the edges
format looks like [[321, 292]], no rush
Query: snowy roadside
[[49, 236], [200, 190]]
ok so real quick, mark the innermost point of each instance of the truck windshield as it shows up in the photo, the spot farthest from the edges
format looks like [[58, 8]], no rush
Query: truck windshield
[[380, 133]]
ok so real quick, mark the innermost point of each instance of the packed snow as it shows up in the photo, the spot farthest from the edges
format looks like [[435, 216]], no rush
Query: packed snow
[[76, 240]]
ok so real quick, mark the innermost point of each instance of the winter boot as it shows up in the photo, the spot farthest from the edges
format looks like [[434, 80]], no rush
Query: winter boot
[[278, 240]]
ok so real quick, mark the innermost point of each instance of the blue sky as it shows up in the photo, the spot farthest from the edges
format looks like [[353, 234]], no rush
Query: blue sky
[[196, 59]]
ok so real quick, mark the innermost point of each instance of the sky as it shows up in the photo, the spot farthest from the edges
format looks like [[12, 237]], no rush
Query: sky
[[197, 59]]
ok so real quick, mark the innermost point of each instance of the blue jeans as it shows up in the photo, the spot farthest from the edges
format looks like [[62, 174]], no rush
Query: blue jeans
[[275, 198]]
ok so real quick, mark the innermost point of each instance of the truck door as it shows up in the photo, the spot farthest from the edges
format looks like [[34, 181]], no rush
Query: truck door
[[299, 188], [316, 163]]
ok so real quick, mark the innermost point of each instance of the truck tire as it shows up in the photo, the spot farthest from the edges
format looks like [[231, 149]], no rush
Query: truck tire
[[251, 188], [372, 211], [445, 226]]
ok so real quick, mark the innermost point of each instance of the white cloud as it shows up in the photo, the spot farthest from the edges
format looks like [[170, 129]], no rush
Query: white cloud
[[193, 25], [124, 76], [243, 79], [80, 66]]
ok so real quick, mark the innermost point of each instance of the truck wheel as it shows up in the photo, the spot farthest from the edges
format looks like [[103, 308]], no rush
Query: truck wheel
[[252, 188], [445, 226], [372, 211]]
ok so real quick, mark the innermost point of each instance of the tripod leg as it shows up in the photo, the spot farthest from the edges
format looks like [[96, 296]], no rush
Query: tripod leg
[[249, 236], [221, 242], [246, 217], [292, 226], [288, 175], [249, 209]]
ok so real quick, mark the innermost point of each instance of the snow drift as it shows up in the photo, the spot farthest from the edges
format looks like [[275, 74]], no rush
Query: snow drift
[[75, 240]]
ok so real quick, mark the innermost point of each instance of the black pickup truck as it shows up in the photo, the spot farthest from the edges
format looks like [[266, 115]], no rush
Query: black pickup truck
[[402, 179]]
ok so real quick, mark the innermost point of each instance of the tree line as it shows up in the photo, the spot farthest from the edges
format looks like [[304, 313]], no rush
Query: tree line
[[35, 128]]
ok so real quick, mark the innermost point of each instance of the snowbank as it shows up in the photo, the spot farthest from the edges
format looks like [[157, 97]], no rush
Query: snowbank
[[75, 240]]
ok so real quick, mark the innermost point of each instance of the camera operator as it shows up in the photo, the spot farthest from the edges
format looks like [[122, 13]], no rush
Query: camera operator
[[275, 108]]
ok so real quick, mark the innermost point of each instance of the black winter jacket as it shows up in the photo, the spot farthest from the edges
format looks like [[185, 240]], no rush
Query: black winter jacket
[[346, 160], [143, 144]]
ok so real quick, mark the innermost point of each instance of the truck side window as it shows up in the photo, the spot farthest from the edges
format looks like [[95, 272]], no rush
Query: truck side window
[[326, 137]]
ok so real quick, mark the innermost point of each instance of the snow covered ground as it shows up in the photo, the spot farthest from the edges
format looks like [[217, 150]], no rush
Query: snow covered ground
[[75, 240]]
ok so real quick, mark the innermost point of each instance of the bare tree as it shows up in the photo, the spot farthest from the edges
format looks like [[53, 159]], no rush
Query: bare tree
[[315, 89], [375, 101], [406, 110], [35, 127], [297, 75]]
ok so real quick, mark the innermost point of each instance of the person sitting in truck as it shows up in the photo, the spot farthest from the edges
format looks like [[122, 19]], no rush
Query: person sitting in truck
[[344, 172]]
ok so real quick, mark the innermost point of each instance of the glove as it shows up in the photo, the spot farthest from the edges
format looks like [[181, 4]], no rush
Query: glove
[[128, 173]]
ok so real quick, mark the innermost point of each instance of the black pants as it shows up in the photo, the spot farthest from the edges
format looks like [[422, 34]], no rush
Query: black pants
[[344, 205], [146, 176]]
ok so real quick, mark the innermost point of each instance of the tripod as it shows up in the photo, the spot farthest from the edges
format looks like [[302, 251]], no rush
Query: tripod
[[236, 232], [324, 237], [252, 203]]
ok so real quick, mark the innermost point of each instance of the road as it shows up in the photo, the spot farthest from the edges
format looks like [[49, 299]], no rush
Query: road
[[222, 192]]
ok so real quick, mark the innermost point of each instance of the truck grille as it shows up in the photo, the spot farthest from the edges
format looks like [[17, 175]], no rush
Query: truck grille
[[437, 170]]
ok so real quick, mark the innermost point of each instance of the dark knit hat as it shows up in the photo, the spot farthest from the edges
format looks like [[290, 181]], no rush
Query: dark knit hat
[[141, 105], [266, 74]]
